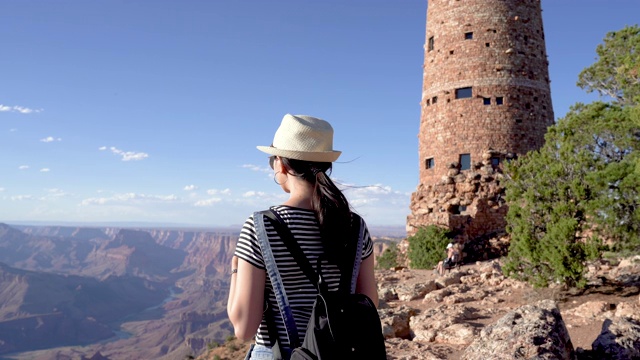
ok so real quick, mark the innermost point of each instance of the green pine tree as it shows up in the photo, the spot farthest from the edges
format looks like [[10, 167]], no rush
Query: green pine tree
[[581, 190], [427, 246]]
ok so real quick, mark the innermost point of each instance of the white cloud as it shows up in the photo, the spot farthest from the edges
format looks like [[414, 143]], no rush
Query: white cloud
[[378, 203], [126, 155], [219, 192], [45, 170], [50, 139], [190, 188], [22, 197], [53, 194], [1, 189], [23, 167], [18, 109], [208, 202], [215, 199], [130, 198], [250, 194]]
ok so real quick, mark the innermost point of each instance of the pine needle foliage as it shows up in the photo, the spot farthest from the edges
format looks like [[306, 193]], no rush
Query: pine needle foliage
[[427, 246], [389, 258], [580, 193]]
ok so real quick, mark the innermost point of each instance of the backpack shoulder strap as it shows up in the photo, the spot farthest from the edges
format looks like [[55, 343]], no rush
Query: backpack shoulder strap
[[277, 285], [357, 229], [295, 249]]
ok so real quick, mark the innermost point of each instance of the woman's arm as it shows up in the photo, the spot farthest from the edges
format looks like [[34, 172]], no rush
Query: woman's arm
[[246, 298], [366, 283]]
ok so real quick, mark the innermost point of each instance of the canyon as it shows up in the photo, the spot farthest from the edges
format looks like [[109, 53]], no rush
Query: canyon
[[117, 293]]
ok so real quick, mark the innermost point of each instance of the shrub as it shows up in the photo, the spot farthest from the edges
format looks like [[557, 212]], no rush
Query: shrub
[[388, 258], [427, 246]]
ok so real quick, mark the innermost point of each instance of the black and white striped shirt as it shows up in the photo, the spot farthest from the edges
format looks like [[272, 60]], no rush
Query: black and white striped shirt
[[300, 292]]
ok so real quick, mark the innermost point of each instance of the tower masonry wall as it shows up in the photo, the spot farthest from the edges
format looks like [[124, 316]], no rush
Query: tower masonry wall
[[485, 99]]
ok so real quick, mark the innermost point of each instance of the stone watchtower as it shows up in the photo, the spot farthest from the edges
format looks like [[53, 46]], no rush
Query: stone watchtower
[[485, 99]]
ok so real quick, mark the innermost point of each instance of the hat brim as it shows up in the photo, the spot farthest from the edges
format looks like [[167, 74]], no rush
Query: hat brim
[[322, 156]]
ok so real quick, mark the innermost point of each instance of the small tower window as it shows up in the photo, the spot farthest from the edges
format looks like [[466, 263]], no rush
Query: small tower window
[[518, 121], [499, 100], [487, 44], [486, 101], [463, 93], [457, 210], [468, 35], [428, 102], [430, 43], [465, 161], [429, 163], [434, 99]]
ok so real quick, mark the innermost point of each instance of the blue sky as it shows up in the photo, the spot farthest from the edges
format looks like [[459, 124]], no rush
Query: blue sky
[[150, 111]]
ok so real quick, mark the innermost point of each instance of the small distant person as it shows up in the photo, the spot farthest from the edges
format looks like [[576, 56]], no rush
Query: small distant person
[[453, 256]]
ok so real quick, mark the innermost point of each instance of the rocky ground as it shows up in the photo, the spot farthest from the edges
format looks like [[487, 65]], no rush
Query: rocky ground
[[474, 311]]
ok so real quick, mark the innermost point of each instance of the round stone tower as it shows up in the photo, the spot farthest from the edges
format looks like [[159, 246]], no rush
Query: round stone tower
[[485, 99]]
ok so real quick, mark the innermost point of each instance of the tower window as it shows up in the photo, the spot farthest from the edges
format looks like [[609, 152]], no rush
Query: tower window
[[465, 161], [463, 93], [518, 121], [487, 44], [429, 163], [434, 99], [486, 101], [428, 102], [499, 100], [457, 210], [468, 35], [430, 44]]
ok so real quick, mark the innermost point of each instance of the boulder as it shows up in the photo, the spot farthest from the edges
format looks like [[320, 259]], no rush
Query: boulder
[[395, 322], [415, 291], [618, 340], [529, 332]]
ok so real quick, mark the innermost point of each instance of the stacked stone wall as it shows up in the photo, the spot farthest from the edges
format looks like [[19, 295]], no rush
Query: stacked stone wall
[[470, 203]]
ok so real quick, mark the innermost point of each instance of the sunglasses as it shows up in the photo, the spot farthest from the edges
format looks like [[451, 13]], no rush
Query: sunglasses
[[272, 159]]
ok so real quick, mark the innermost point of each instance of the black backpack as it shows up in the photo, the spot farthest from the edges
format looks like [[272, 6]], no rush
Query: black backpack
[[342, 325]]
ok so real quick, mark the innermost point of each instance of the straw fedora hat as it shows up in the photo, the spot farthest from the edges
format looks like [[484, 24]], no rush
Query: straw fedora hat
[[303, 137]]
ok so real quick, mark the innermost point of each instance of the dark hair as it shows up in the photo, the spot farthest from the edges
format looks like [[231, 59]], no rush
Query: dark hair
[[329, 204]]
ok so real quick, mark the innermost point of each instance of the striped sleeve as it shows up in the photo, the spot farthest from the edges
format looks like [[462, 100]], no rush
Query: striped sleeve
[[367, 243], [247, 247]]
